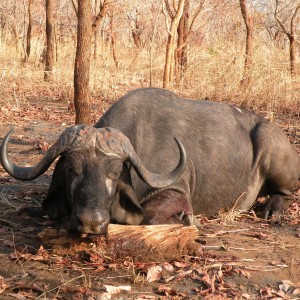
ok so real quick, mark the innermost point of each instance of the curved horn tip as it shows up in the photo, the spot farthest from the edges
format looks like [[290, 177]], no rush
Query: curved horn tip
[[6, 138], [9, 133], [182, 150]]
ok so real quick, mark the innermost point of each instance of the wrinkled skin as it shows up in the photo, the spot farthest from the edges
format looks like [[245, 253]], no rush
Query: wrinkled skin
[[233, 157]]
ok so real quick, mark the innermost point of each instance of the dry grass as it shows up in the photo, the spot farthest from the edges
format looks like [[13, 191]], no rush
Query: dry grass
[[214, 73]]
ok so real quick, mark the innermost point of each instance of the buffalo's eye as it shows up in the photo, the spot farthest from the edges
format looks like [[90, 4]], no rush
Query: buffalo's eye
[[113, 175], [74, 169], [114, 170]]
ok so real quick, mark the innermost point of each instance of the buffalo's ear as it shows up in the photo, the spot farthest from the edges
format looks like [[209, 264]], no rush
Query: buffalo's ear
[[125, 207], [55, 204]]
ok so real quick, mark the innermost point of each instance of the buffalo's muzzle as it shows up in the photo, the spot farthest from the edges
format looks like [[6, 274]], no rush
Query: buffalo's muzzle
[[90, 221]]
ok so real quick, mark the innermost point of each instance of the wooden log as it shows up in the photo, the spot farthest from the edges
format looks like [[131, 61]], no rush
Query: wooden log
[[152, 241], [143, 242]]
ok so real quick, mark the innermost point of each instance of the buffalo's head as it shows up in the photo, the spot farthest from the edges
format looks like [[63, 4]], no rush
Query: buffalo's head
[[91, 181]]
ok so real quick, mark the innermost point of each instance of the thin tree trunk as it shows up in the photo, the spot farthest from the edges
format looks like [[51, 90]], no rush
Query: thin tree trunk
[[101, 15], [49, 39], [82, 63], [135, 27], [154, 29], [249, 44], [95, 35], [113, 42], [170, 49], [97, 21], [14, 28], [182, 31], [291, 36], [293, 55], [75, 6], [28, 36]]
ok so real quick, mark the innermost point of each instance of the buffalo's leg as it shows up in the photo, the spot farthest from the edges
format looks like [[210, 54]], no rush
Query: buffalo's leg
[[279, 164], [276, 207]]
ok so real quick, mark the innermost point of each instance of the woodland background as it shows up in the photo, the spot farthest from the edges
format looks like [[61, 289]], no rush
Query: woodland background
[[66, 61], [225, 50]]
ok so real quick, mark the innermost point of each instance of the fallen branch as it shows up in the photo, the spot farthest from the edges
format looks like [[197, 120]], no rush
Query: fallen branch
[[163, 241], [149, 242]]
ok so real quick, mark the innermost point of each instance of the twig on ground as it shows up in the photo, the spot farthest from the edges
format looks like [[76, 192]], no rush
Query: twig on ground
[[15, 250], [221, 232], [58, 287], [10, 223]]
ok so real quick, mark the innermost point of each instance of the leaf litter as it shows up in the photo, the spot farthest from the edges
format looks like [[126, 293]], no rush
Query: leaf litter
[[235, 257]]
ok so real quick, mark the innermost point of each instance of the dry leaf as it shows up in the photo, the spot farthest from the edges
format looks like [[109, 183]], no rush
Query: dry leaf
[[180, 264], [17, 296], [104, 296], [154, 273], [117, 289], [244, 272], [296, 292], [285, 285], [168, 267], [3, 285], [167, 290]]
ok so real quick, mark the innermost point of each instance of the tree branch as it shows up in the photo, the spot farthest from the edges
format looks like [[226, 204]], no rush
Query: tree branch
[[280, 21], [171, 14], [294, 15], [166, 19], [101, 15], [197, 12], [75, 6]]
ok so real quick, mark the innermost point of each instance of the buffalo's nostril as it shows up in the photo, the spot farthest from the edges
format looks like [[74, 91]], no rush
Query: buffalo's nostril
[[86, 221]]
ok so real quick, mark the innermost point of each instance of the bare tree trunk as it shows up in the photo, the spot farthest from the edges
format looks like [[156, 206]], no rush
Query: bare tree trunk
[[182, 31], [75, 6], [14, 28], [291, 36], [102, 13], [82, 63], [154, 29], [97, 21], [28, 36], [113, 42], [170, 49], [95, 35], [292, 51], [135, 27], [50, 38], [249, 44]]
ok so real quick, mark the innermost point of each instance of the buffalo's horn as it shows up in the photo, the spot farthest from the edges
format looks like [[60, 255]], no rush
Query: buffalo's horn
[[114, 142], [160, 180], [30, 173]]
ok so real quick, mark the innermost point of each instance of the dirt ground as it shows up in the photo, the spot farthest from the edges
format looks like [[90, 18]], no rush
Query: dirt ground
[[241, 258]]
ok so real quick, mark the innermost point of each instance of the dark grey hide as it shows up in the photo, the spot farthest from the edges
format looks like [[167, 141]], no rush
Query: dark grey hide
[[233, 156]]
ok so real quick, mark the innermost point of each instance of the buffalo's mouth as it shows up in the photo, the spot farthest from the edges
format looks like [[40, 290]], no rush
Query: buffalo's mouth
[[89, 222]]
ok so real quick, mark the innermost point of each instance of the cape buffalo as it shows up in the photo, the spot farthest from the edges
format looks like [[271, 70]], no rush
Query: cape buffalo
[[228, 157]]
